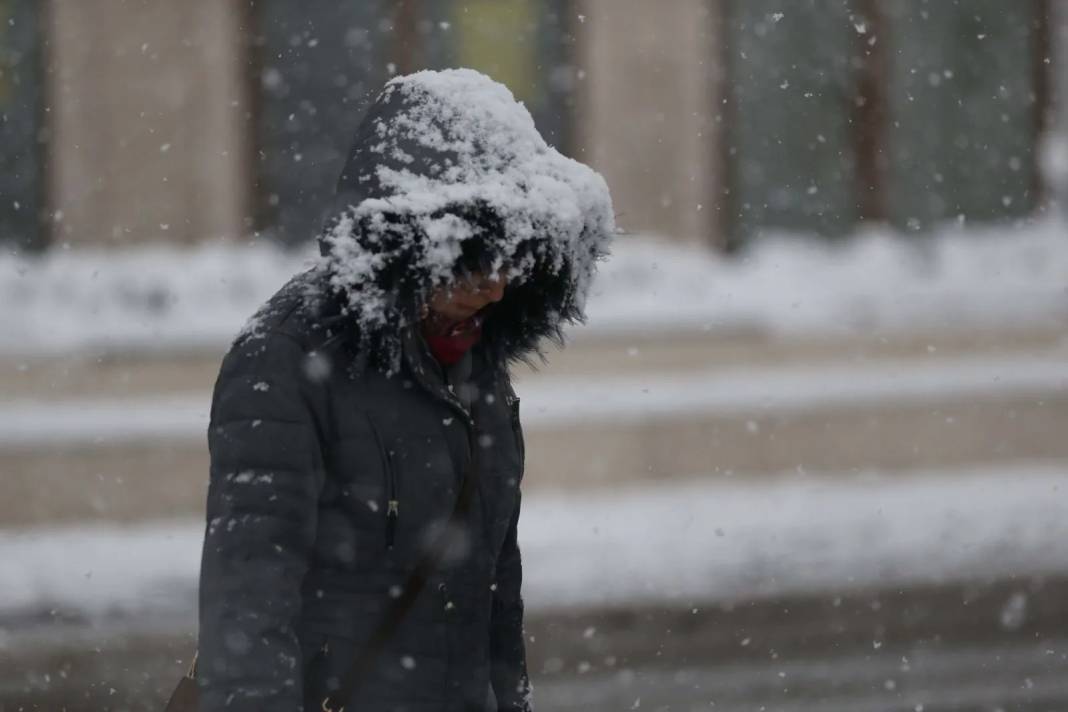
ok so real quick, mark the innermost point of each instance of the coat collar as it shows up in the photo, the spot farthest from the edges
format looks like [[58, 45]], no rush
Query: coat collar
[[431, 375]]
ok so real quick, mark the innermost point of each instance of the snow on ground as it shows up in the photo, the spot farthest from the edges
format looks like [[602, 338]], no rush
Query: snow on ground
[[168, 298], [145, 298], [690, 543], [617, 399], [875, 281], [731, 540]]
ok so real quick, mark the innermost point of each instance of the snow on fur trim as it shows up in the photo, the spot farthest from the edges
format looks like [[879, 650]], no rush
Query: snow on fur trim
[[448, 173]]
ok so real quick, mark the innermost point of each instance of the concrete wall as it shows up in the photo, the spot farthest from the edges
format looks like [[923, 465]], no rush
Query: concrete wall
[[149, 111], [646, 111], [147, 108]]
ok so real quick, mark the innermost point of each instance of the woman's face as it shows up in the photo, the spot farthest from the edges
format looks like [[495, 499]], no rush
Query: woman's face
[[462, 299]]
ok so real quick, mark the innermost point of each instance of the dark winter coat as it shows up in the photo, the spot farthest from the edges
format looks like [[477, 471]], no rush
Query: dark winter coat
[[303, 551], [338, 442]]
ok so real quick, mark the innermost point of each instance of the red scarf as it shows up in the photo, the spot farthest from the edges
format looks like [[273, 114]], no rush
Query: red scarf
[[450, 347]]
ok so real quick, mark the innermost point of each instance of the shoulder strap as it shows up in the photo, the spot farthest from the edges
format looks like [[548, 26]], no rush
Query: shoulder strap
[[413, 586]]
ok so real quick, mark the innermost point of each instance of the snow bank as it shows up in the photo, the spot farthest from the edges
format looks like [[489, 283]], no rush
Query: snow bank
[[169, 298], [877, 281], [148, 298], [713, 542], [696, 543]]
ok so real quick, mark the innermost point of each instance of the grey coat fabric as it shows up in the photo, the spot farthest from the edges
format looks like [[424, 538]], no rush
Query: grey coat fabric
[[303, 548]]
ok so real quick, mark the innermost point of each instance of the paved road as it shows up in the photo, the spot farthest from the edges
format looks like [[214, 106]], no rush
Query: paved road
[[937, 649], [1023, 678]]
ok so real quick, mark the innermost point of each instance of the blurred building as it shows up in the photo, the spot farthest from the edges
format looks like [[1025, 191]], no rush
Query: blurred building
[[131, 121]]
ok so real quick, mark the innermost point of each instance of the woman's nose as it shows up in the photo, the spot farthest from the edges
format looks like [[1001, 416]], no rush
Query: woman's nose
[[493, 289]]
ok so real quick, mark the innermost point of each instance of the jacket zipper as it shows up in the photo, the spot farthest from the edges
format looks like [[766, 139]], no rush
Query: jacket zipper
[[393, 505], [392, 502]]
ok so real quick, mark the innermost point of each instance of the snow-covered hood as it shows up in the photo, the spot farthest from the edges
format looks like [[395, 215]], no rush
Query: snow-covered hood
[[448, 172]]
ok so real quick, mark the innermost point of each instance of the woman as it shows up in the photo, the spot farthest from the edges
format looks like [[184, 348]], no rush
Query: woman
[[366, 450]]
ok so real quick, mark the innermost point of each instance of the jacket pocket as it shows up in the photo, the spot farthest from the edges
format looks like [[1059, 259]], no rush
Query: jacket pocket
[[315, 671], [389, 472]]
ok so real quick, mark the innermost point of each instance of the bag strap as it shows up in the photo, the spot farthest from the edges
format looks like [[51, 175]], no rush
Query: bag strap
[[414, 585], [402, 605]]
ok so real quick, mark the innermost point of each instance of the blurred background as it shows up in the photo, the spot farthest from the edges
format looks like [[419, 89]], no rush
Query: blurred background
[[809, 452]]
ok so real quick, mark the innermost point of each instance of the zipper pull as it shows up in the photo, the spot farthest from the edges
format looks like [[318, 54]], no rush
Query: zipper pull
[[446, 601], [392, 512]]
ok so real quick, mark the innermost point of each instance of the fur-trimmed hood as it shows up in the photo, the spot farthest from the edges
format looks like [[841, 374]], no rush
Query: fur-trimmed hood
[[447, 173]]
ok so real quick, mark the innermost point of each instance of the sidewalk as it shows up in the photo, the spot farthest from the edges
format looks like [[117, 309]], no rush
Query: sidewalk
[[138, 455], [136, 374], [675, 544], [802, 593]]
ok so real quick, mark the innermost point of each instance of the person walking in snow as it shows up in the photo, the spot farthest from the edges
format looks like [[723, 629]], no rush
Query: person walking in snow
[[366, 449]]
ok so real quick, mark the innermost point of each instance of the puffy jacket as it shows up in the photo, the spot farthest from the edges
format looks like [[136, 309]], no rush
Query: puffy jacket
[[338, 442], [324, 491]]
